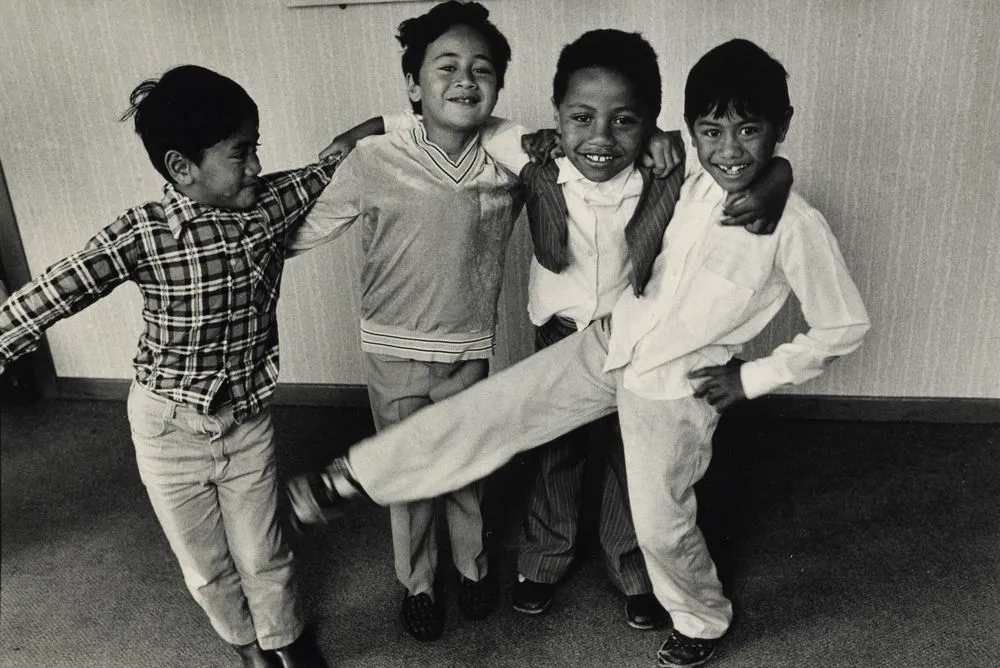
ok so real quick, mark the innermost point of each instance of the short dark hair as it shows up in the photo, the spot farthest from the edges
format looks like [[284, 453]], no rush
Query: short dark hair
[[627, 53], [416, 34], [189, 109], [737, 76]]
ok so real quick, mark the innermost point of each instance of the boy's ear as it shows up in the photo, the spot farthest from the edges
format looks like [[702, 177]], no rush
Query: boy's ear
[[783, 129], [181, 169], [413, 89]]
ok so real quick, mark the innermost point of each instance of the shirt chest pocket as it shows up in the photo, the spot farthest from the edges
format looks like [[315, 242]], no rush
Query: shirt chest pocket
[[713, 305], [264, 279]]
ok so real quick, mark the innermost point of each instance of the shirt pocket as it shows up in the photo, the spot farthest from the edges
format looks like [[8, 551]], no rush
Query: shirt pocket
[[713, 305]]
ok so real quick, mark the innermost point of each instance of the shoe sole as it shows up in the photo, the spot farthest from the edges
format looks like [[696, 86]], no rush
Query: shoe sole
[[643, 627], [532, 611]]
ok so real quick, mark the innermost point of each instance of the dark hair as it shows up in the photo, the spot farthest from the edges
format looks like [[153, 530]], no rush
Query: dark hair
[[416, 34], [737, 76], [189, 109], [627, 53]]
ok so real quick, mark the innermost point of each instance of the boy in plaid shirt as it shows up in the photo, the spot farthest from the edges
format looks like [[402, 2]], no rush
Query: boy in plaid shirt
[[207, 258]]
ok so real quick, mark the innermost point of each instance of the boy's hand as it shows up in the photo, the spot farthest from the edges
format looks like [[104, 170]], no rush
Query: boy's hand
[[722, 386], [664, 152], [759, 208], [339, 147], [542, 146]]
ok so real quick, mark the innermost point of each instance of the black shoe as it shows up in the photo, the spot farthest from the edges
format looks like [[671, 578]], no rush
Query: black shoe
[[680, 650], [422, 617], [644, 612], [303, 653], [532, 598], [477, 600], [252, 656]]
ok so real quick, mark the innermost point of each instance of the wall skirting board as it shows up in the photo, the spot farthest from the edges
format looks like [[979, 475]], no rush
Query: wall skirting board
[[798, 407]]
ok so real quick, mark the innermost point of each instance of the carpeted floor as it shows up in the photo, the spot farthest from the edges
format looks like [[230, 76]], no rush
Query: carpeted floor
[[841, 544]]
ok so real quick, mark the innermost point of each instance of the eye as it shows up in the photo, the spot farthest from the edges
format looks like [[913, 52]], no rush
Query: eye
[[580, 118], [710, 133], [750, 130], [485, 71], [447, 68], [626, 120]]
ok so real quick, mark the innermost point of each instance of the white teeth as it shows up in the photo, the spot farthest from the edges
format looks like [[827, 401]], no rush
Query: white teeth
[[598, 158], [732, 170]]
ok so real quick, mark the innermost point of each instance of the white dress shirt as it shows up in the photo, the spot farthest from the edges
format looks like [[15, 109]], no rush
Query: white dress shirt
[[599, 265], [714, 288]]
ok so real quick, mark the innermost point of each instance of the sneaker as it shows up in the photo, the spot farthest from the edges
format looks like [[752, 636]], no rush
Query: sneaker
[[680, 650], [478, 599], [532, 598], [422, 617], [644, 612]]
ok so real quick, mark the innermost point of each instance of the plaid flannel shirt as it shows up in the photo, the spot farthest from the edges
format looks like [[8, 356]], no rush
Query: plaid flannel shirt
[[209, 280]]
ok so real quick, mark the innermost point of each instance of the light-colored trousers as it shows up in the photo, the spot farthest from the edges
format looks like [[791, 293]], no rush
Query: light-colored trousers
[[550, 528], [397, 388], [213, 486], [668, 446]]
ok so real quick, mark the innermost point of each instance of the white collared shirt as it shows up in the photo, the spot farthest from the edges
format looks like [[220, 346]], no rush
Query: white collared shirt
[[714, 288], [599, 265]]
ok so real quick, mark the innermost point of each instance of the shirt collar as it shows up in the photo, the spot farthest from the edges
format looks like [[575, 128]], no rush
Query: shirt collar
[[616, 184], [420, 134], [180, 210]]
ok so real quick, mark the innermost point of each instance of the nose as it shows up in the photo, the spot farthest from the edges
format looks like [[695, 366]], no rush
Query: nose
[[601, 132], [253, 165], [731, 145], [464, 77]]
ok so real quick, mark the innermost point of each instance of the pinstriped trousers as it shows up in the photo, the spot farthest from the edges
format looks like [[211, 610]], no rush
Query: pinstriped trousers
[[551, 524]]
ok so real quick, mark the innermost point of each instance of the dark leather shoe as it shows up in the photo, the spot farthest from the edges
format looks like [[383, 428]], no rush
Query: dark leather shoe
[[422, 617], [303, 653], [532, 598], [644, 612], [252, 656], [477, 600], [681, 650]]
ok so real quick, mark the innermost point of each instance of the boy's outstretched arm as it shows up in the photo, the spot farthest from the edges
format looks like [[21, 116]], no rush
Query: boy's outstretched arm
[[65, 288], [759, 208], [344, 143]]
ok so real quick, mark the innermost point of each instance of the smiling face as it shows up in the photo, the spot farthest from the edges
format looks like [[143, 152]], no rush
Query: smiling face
[[602, 124], [457, 87], [735, 149], [226, 176]]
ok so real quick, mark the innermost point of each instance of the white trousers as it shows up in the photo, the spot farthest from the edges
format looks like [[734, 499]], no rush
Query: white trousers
[[668, 446]]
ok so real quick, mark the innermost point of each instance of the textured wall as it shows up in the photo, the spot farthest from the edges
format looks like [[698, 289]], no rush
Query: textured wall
[[894, 138]]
